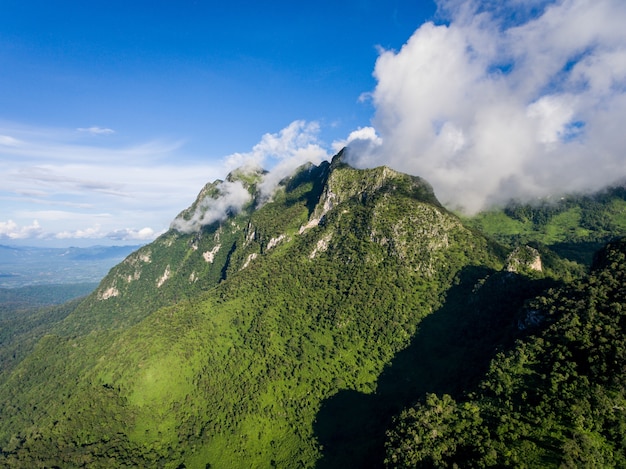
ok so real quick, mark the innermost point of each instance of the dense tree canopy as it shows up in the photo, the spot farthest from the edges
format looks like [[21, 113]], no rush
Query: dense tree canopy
[[557, 399]]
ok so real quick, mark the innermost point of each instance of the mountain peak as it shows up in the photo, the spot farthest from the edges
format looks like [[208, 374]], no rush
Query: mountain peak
[[339, 158], [247, 175]]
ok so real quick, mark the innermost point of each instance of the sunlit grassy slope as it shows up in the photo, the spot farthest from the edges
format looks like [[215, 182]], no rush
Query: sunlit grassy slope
[[574, 226]]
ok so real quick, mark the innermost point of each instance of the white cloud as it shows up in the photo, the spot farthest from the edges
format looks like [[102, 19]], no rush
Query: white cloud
[[92, 233], [114, 187], [96, 130], [53, 146], [108, 186], [552, 113], [363, 136], [11, 230], [509, 99], [282, 153], [62, 216], [144, 234], [232, 197], [9, 141], [296, 141]]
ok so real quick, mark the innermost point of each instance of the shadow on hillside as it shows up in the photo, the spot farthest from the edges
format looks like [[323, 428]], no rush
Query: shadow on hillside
[[449, 354], [581, 252]]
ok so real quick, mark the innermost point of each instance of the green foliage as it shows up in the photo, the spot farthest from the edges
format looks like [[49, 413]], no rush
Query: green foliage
[[439, 433], [28, 313], [574, 226], [21, 330], [555, 400], [290, 334], [15, 300]]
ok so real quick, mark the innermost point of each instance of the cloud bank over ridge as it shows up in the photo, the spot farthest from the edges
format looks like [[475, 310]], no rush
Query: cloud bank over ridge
[[507, 100]]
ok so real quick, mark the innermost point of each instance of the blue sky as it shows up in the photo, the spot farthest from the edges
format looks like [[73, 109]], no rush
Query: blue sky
[[214, 74], [113, 115], [191, 81]]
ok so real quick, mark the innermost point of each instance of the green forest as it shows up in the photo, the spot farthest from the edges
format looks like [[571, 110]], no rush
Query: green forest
[[555, 399], [348, 321]]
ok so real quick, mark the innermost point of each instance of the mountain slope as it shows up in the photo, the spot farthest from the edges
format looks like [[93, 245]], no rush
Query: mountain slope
[[219, 345], [556, 399], [574, 226]]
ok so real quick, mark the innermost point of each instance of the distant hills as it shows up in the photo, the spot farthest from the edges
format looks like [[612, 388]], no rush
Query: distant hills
[[22, 266], [348, 320]]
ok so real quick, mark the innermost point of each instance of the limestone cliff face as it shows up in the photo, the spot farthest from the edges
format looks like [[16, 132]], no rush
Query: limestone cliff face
[[523, 259]]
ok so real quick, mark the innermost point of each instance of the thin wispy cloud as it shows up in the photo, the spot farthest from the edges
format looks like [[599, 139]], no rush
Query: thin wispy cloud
[[96, 232], [231, 198], [70, 151], [96, 130], [104, 187], [142, 183], [58, 181], [8, 141], [505, 100]]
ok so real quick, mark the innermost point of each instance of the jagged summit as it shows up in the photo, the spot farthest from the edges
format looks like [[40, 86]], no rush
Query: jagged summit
[[246, 188]]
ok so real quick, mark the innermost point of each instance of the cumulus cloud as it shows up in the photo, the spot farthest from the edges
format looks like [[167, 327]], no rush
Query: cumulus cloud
[[231, 198], [281, 153], [92, 232], [508, 99], [11, 230], [144, 234], [364, 137]]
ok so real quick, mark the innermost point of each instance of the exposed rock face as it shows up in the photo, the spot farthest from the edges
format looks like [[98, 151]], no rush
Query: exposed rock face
[[166, 275], [209, 256], [524, 258], [108, 293]]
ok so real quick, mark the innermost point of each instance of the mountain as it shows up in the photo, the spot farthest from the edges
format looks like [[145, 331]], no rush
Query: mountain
[[220, 345], [274, 330]]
